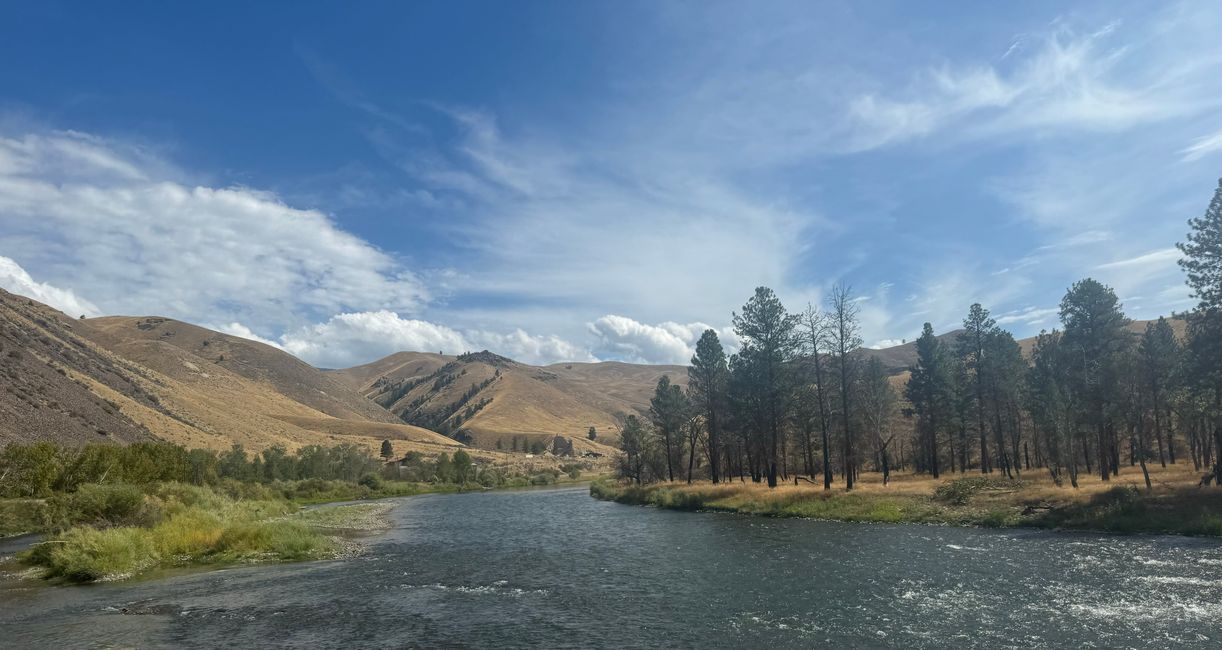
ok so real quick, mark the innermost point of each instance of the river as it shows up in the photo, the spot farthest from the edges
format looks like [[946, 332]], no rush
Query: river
[[558, 569]]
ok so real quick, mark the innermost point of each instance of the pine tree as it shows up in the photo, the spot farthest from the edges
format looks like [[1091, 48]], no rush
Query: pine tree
[[1094, 337], [1202, 259], [1202, 262], [1048, 401], [634, 442], [387, 450], [768, 344], [971, 344], [1158, 356], [668, 411], [706, 387], [930, 390]]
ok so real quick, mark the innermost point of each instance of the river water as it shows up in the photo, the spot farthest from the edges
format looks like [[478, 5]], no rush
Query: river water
[[558, 569]]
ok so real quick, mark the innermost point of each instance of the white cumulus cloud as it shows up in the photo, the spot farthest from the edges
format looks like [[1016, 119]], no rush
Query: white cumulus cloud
[[125, 231], [15, 279], [623, 338], [359, 337]]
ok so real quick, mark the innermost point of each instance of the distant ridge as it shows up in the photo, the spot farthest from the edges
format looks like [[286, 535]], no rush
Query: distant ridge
[[129, 379]]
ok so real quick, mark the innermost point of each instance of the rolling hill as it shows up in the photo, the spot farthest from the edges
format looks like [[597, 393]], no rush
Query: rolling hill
[[122, 379], [127, 379], [497, 403]]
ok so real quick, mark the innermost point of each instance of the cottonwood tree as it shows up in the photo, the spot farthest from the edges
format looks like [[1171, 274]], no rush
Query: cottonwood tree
[[845, 337], [668, 411], [816, 346], [768, 345], [707, 383], [878, 406]]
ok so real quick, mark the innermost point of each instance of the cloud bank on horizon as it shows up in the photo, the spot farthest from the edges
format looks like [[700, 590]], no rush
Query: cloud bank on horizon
[[579, 197]]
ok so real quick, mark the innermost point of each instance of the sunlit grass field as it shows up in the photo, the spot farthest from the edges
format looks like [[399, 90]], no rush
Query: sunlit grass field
[[1175, 504]]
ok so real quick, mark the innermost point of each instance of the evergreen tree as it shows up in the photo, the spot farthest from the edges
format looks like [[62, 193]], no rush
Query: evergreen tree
[[971, 344], [1004, 358], [1202, 259], [1158, 356], [707, 382], [1048, 402], [931, 392], [668, 411], [1094, 338], [1202, 262], [387, 450], [768, 344], [634, 442]]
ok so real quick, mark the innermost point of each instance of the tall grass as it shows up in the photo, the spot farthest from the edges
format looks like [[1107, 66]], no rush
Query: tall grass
[[172, 525], [971, 501]]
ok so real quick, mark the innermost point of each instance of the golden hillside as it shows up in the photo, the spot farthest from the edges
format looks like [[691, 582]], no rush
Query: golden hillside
[[130, 379], [497, 403]]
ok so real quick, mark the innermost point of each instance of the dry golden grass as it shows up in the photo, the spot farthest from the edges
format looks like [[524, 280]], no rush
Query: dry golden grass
[[1174, 504]]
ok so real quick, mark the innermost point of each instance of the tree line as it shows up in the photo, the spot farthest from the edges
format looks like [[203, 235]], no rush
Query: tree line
[[801, 399], [39, 469]]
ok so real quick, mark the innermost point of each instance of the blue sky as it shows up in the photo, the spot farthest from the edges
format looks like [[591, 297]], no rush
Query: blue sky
[[576, 181]]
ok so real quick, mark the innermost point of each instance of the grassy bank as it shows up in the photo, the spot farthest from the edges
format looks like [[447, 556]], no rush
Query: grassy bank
[[118, 531], [1174, 506], [104, 505]]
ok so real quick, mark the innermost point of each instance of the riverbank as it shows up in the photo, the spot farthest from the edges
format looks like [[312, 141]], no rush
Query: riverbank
[[106, 533], [1174, 506], [167, 526]]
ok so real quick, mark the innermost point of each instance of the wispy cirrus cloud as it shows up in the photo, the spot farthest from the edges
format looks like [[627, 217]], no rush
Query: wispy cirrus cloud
[[1091, 81], [1204, 146]]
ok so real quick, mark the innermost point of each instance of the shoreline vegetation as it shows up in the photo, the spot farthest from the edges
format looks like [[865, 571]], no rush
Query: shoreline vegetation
[[112, 513], [1079, 428], [1173, 506]]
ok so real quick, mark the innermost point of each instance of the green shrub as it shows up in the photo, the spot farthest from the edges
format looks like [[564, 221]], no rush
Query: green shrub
[[86, 554], [102, 505], [23, 516], [543, 478], [284, 540], [371, 481]]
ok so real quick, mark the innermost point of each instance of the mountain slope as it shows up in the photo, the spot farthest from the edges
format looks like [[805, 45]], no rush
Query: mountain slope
[[498, 403], [131, 379], [47, 371], [286, 374]]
